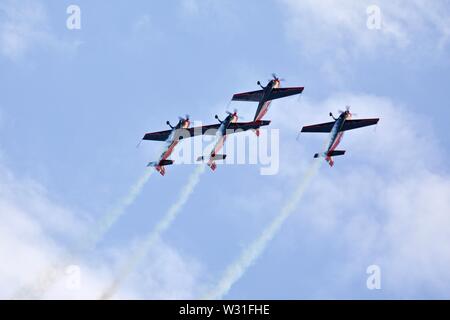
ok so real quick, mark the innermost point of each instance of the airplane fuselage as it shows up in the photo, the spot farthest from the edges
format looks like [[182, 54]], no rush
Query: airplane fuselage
[[171, 143], [264, 104], [221, 135], [336, 135]]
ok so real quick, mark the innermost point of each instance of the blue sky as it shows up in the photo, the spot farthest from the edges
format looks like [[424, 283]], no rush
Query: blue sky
[[75, 103]]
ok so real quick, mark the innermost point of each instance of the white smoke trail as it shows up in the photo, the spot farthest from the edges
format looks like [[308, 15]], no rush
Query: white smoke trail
[[111, 217], [55, 272], [236, 270], [155, 234]]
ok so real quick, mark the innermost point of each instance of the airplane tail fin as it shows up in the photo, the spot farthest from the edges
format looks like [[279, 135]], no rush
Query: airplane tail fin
[[212, 165], [330, 161], [161, 170], [332, 154]]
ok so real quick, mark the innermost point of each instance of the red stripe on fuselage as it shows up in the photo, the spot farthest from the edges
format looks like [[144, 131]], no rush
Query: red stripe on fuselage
[[217, 148], [169, 150], [266, 105], [165, 156], [263, 111], [337, 141], [334, 146], [219, 145]]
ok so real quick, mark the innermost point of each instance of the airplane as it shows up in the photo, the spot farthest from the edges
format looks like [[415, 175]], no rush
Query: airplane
[[265, 96], [171, 137], [182, 131], [227, 126], [337, 128]]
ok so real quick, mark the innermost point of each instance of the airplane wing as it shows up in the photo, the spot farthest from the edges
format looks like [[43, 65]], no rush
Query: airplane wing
[[249, 96], [278, 93], [322, 127], [204, 130], [244, 126], [158, 136], [183, 133], [359, 123]]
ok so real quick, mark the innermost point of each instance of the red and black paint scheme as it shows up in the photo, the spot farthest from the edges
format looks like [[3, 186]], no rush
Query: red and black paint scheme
[[228, 126], [265, 96], [336, 129]]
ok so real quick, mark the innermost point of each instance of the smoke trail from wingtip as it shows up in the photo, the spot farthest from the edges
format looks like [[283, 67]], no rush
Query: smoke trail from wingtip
[[55, 272], [112, 216], [237, 269], [155, 234]]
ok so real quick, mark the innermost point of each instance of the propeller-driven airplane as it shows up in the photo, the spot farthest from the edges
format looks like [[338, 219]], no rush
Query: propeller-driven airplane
[[337, 128], [227, 126], [182, 131], [265, 96], [172, 137]]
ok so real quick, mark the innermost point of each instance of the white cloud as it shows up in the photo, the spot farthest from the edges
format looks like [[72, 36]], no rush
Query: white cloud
[[326, 24], [24, 26], [36, 233], [336, 33], [390, 207]]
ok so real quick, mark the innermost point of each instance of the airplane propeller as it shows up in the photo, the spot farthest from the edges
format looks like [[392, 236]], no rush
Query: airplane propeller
[[347, 109], [275, 77], [185, 118]]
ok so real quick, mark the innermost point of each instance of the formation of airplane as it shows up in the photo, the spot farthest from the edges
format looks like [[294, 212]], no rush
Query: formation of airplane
[[182, 131], [230, 125], [336, 129]]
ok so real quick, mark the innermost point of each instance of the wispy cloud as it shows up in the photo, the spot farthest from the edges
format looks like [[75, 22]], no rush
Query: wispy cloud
[[390, 207], [336, 32], [343, 25], [35, 231], [85, 242], [24, 26]]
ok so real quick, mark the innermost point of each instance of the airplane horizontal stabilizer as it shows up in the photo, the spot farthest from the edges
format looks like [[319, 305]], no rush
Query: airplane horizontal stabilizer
[[219, 157], [216, 157], [160, 163], [336, 153]]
